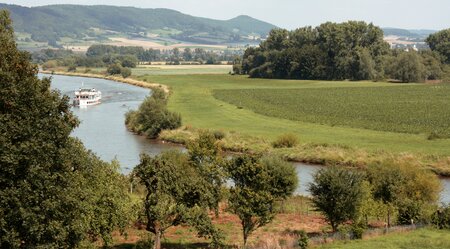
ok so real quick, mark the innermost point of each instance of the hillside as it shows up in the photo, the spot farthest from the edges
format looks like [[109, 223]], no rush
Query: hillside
[[54, 22]]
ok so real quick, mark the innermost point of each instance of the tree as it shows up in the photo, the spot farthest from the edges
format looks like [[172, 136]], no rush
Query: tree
[[258, 184], [152, 116], [205, 154], [337, 193], [187, 54], [114, 69], [176, 195], [125, 72], [404, 187], [440, 42], [51, 189], [409, 67]]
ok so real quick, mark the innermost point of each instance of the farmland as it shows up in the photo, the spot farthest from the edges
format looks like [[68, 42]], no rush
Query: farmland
[[407, 109]]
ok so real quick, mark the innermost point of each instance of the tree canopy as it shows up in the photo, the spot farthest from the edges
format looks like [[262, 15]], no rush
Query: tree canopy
[[53, 192]]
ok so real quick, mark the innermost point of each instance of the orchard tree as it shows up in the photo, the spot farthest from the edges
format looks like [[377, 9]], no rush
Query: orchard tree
[[205, 154], [177, 194], [337, 193], [258, 184]]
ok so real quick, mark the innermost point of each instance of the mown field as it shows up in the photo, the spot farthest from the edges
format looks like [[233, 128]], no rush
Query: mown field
[[407, 109], [418, 239]]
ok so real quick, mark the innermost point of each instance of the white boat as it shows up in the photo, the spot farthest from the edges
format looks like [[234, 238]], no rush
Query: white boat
[[87, 96]]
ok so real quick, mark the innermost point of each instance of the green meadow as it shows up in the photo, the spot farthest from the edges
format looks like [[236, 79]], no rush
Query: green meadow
[[267, 108], [418, 239]]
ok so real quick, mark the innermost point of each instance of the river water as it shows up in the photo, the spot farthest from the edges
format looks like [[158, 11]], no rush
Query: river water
[[102, 128]]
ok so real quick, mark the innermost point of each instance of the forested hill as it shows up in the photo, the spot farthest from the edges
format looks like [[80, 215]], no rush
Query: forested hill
[[56, 21]]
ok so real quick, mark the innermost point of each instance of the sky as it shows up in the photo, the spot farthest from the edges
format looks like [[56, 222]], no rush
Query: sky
[[291, 14]]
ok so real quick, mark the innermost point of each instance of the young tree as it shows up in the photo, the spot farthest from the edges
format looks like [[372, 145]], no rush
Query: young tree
[[258, 184], [205, 154], [176, 195], [337, 193], [404, 187]]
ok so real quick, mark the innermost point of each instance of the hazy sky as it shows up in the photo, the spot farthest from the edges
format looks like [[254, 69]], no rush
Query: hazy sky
[[410, 14]]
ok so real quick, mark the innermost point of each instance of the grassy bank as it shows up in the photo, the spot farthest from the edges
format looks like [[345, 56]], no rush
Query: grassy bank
[[418, 239]]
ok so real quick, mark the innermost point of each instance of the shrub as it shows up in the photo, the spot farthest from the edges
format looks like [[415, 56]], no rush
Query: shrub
[[72, 68], [285, 141], [441, 218], [114, 69], [303, 240], [125, 72], [219, 135]]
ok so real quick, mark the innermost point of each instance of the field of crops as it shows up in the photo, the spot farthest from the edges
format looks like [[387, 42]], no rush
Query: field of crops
[[406, 109]]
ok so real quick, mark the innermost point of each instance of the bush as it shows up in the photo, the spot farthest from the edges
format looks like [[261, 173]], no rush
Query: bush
[[126, 72], [303, 240], [219, 135], [441, 218], [152, 116], [114, 69], [72, 68], [285, 141]]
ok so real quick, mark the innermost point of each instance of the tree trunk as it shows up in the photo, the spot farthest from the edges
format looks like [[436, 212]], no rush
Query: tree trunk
[[157, 243], [245, 241], [389, 217]]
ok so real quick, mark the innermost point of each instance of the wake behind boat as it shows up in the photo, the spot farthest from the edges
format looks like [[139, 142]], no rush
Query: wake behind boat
[[87, 96]]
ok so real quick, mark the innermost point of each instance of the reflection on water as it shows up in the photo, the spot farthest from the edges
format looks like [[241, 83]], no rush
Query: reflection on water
[[102, 128]]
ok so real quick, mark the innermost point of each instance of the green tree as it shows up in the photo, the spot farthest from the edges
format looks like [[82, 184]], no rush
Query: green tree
[[409, 67], [404, 187], [187, 54], [258, 184], [205, 154], [114, 69], [53, 193], [337, 193], [440, 42], [176, 194], [125, 72], [152, 116]]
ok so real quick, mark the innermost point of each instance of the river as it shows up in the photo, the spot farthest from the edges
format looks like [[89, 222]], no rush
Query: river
[[102, 128]]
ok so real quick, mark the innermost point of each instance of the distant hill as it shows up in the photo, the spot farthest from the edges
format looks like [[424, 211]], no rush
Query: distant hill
[[53, 22], [411, 34]]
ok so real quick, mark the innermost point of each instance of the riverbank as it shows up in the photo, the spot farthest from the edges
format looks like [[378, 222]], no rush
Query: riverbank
[[245, 131], [130, 81]]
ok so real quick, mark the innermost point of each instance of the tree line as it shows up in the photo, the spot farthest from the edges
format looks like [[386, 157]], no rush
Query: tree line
[[100, 55], [351, 50]]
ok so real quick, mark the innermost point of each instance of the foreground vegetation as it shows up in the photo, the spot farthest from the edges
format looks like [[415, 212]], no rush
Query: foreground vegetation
[[421, 238]]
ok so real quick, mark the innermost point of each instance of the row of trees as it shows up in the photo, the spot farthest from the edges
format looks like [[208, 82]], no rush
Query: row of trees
[[182, 187], [53, 192], [388, 189], [351, 50], [106, 55]]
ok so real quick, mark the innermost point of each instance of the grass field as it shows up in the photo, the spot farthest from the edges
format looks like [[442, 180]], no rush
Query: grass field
[[192, 96], [418, 239], [408, 109]]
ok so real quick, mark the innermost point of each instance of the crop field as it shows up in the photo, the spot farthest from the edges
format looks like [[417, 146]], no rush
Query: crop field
[[407, 109], [421, 238]]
